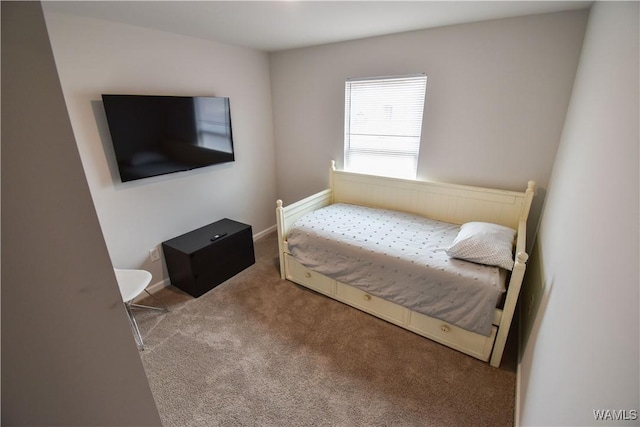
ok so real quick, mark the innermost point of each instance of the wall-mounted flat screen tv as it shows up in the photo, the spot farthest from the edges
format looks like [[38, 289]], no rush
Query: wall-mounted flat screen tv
[[157, 135]]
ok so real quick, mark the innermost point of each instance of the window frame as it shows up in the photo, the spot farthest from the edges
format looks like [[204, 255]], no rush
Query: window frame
[[377, 149]]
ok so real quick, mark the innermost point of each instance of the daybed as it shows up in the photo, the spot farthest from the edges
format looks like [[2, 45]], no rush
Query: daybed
[[415, 209]]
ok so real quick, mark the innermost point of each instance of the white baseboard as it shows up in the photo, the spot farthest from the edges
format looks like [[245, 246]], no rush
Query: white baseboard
[[264, 232], [155, 287]]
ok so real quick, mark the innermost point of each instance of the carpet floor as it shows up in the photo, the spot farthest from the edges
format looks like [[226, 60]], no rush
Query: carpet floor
[[261, 351]]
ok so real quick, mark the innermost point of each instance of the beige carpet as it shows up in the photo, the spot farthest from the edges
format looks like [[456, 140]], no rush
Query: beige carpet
[[261, 351]]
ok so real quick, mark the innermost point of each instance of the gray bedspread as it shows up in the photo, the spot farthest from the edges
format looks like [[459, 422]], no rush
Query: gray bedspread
[[398, 257]]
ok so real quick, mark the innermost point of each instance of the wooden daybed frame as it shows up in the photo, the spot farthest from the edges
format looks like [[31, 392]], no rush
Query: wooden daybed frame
[[446, 202]]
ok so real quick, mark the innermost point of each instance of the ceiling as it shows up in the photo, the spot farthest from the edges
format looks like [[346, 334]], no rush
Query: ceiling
[[279, 25]]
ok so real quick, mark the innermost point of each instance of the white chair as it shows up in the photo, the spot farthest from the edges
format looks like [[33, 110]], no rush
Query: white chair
[[132, 283]]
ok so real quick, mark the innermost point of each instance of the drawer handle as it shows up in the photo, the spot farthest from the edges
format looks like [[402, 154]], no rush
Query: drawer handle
[[307, 275], [367, 297], [444, 328]]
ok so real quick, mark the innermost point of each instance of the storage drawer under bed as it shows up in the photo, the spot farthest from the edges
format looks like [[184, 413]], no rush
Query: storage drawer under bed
[[465, 341], [453, 336], [379, 307], [476, 345], [298, 273]]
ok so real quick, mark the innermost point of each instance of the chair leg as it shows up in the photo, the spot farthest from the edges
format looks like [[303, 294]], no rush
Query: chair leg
[[132, 319], [134, 327], [161, 308], [149, 307]]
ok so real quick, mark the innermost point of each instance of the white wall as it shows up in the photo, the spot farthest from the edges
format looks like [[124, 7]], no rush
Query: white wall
[[95, 57], [68, 354], [497, 94], [583, 350]]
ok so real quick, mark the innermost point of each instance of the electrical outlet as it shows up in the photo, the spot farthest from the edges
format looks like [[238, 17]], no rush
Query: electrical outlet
[[154, 254]]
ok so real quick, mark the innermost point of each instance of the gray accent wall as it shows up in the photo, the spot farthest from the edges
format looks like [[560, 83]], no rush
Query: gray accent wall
[[497, 94], [68, 353]]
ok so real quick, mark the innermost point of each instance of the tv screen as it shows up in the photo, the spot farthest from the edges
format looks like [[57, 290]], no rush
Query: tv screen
[[157, 135]]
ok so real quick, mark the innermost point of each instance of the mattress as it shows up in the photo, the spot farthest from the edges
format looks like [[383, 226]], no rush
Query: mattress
[[401, 258]]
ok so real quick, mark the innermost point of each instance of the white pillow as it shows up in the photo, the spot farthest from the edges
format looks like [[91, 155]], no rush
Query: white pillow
[[484, 243]]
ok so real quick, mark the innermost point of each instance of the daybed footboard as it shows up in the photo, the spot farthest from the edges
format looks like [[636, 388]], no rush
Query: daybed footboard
[[446, 202], [286, 216]]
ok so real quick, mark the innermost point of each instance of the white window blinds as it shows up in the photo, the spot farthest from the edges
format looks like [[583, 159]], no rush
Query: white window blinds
[[383, 124]]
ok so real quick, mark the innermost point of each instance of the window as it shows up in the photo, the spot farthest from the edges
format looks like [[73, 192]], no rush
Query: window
[[383, 124]]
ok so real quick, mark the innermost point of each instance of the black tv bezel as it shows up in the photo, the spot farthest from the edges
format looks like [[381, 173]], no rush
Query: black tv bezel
[[136, 173]]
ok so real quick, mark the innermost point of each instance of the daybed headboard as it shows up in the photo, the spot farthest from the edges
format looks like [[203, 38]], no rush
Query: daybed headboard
[[446, 202]]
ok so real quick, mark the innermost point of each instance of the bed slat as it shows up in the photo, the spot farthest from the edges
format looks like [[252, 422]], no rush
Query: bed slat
[[445, 202]]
